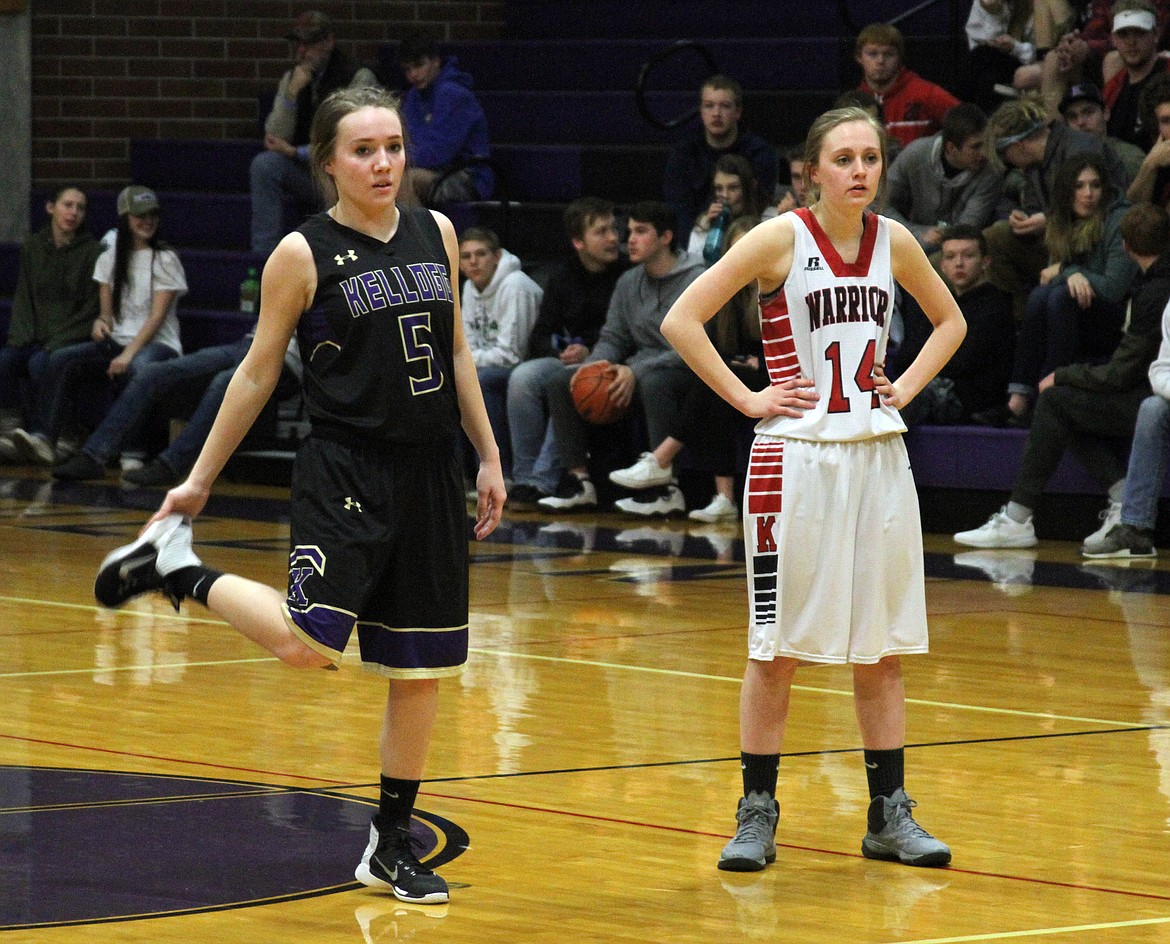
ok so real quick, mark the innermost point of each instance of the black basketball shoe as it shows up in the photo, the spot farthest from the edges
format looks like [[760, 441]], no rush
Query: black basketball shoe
[[390, 862]]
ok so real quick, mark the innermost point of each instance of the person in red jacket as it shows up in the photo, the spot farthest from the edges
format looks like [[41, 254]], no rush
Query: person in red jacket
[[912, 107]]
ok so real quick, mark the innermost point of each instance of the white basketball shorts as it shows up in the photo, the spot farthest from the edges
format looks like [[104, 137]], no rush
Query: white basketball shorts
[[834, 551]]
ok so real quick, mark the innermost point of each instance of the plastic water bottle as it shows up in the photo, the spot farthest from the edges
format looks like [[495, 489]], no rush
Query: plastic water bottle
[[250, 293], [713, 247]]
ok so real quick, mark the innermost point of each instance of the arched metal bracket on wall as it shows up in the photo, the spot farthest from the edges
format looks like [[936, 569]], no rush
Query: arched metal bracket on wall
[[682, 46]]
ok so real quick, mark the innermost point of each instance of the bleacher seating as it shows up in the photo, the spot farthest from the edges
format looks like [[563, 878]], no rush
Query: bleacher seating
[[558, 91]]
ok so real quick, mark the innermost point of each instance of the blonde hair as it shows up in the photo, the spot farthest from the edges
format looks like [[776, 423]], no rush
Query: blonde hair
[[1013, 119], [820, 129], [323, 136]]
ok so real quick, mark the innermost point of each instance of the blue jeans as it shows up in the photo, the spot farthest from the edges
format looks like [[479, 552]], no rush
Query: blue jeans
[[68, 366], [274, 177], [1147, 463], [535, 460], [17, 364], [155, 381], [493, 381]]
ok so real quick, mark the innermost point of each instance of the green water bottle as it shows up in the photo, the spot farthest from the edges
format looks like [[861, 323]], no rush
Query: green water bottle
[[250, 293]]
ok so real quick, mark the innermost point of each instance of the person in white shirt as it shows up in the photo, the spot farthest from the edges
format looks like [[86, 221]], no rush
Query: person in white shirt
[[500, 305]]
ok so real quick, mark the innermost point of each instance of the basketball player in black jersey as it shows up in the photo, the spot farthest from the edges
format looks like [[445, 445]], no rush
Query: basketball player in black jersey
[[378, 533]]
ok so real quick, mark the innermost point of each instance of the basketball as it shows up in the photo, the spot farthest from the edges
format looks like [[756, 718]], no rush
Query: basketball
[[590, 390]]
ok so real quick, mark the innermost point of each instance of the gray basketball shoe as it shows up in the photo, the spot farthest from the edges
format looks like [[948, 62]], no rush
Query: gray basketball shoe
[[902, 839], [754, 845]]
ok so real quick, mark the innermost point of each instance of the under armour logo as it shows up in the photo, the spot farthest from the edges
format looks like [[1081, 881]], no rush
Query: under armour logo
[[813, 265], [350, 503], [349, 254]]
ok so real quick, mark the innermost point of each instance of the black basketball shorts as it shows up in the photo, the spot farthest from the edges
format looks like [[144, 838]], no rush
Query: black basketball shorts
[[379, 540]]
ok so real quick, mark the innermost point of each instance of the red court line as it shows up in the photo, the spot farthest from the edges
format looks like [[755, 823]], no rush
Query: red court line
[[785, 845], [171, 760]]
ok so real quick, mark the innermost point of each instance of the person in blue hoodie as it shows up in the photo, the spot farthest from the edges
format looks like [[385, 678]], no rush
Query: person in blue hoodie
[[445, 126]]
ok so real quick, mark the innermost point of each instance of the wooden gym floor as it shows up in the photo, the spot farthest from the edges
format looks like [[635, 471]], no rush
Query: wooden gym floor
[[162, 780]]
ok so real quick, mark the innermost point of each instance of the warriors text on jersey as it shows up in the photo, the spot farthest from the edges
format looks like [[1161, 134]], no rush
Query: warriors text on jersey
[[829, 322], [378, 338]]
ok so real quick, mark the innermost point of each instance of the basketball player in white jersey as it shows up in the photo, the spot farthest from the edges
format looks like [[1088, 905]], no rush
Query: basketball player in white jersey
[[831, 523]]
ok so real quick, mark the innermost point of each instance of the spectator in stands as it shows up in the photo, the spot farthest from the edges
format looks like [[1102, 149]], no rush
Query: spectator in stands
[[1152, 181], [999, 48], [202, 375], [282, 169], [500, 304], [55, 305], [975, 377], [1083, 108], [1021, 134], [1092, 408], [140, 281], [1081, 42], [631, 339], [944, 179], [794, 195], [706, 423], [446, 129], [733, 185], [1133, 534], [1077, 309], [686, 184], [911, 106], [1135, 34], [572, 311]]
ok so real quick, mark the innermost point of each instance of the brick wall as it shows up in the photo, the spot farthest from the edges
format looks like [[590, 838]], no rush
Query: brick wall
[[106, 71]]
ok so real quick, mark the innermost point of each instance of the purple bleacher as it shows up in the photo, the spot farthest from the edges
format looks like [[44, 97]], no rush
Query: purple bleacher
[[614, 64], [599, 19], [983, 458], [214, 276], [608, 118], [537, 171], [9, 268], [209, 166]]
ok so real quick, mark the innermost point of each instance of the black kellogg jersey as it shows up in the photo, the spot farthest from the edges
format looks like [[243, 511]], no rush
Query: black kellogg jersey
[[378, 339]]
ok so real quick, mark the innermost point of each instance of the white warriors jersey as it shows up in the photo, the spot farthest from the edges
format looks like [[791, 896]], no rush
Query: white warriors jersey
[[829, 322]]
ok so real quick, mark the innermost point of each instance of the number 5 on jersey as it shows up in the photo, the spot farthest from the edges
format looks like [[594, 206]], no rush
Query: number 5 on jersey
[[416, 343]]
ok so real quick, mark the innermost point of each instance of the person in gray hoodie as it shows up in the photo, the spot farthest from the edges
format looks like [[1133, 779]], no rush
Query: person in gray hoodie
[[945, 179], [500, 305], [631, 339]]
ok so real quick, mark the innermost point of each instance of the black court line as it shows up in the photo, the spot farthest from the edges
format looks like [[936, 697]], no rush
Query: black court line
[[332, 791]]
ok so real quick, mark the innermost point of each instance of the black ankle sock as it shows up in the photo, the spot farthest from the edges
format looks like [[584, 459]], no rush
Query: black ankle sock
[[193, 582], [396, 802], [759, 772], [886, 773]]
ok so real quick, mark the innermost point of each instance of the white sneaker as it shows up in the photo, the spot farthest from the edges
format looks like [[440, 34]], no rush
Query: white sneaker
[[34, 447], [143, 565], [9, 454], [720, 508], [129, 461], [645, 473], [1109, 517], [1010, 571], [657, 540], [670, 502], [572, 493], [1000, 531]]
